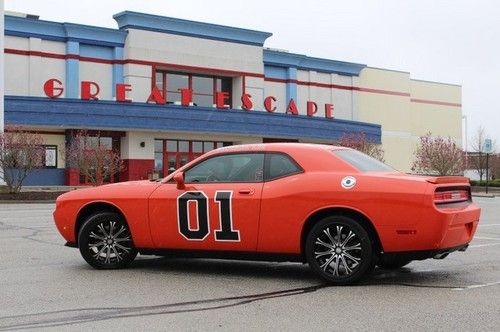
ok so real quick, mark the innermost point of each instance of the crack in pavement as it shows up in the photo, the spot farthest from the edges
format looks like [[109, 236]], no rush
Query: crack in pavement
[[82, 315]]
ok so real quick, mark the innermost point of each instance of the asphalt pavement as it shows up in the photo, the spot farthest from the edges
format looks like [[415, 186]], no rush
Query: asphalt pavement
[[46, 286]]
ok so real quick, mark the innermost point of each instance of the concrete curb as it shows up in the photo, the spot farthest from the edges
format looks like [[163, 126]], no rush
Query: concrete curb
[[13, 201], [483, 195]]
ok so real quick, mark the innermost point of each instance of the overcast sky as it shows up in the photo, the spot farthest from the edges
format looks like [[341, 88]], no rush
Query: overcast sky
[[453, 41]]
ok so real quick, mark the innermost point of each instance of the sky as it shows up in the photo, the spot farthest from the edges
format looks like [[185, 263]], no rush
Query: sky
[[452, 41]]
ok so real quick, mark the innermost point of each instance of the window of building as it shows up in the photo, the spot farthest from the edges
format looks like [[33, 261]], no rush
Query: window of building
[[204, 87], [90, 143], [172, 154], [50, 156]]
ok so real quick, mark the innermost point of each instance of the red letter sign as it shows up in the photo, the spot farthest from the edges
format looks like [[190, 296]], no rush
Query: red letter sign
[[220, 99], [86, 90], [156, 96], [51, 90], [292, 108], [329, 111], [246, 102], [186, 96], [312, 108], [268, 104], [121, 92]]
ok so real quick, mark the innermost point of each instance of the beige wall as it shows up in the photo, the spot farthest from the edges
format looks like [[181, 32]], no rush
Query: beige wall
[[407, 109]]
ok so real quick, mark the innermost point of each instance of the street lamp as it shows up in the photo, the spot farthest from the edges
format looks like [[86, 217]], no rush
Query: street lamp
[[464, 117]]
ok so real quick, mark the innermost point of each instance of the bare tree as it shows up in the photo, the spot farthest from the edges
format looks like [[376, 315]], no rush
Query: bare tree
[[21, 151], [360, 142], [438, 155], [478, 162], [93, 160]]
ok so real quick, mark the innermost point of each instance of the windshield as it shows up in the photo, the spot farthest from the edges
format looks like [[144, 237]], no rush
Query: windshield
[[362, 162]]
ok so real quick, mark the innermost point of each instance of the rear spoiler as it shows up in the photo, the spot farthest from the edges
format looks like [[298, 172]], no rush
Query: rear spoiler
[[448, 179]]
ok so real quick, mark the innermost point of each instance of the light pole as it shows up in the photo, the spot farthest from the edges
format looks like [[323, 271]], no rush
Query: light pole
[[2, 77], [464, 117]]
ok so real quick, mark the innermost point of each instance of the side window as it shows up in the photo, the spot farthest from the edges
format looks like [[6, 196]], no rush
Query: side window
[[245, 167], [280, 165]]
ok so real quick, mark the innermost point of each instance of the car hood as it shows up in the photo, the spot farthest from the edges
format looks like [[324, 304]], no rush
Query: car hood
[[138, 189]]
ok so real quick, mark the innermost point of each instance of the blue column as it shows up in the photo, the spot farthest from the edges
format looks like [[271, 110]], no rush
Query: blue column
[[72, 70], [291, 87], [117, 68]]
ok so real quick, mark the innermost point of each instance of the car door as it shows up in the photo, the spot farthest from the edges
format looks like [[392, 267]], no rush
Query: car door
[[218, 209]]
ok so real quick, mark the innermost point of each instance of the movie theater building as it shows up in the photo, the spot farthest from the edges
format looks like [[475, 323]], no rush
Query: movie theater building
[[163, 91]]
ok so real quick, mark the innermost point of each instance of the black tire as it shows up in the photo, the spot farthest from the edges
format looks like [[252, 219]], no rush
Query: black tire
[[393, 263], [105, 241], [331, 259]]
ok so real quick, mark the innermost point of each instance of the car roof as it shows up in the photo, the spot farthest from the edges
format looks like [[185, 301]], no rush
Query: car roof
[[276, 147]]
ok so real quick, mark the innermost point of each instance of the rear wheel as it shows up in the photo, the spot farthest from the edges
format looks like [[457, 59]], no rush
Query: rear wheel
[[105, 241], [339, 250]]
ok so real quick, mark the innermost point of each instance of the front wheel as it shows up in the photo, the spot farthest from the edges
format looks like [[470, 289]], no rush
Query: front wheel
[[105, 241], [339, 250]]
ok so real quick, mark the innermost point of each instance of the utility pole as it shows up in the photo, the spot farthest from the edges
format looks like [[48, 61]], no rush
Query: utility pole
[[2, 77], [487, 148]]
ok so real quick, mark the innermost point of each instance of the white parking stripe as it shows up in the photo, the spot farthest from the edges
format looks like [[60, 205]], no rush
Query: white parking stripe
[[488, 225], [487, 238], [477, 286], [484, 245]]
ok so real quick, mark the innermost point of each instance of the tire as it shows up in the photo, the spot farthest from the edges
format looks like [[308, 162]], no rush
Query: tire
[[105, 241], [393, 263], [343, 262]]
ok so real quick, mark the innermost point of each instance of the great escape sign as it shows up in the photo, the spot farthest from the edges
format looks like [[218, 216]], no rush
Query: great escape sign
[[89, 90]]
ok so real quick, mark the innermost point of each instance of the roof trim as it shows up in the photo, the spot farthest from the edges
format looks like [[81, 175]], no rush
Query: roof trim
[[85, 34], [299, 61], [170, 25]]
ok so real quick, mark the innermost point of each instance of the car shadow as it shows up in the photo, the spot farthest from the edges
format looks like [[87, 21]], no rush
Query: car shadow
[[406, 276], [218, 267]]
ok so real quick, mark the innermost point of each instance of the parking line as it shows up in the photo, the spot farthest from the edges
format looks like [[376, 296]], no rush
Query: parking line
[[484, 245], [488, 225], [478, 286], [487, 238]]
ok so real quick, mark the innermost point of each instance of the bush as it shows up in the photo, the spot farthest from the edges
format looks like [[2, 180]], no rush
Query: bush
[[494, 183]]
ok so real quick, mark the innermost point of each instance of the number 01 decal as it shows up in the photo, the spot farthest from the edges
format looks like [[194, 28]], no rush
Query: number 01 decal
[[223, 200]]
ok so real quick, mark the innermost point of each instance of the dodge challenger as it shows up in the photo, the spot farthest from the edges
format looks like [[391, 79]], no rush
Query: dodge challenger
[[337, 209]]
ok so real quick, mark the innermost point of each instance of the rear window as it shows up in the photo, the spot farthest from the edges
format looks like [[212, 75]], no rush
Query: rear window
[[361, 161]]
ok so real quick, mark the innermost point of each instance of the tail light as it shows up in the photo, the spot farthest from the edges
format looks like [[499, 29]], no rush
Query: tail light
[[451, 196]]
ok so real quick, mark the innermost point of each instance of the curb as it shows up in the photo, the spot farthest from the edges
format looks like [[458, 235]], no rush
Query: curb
[[483, 195], [13, 201]]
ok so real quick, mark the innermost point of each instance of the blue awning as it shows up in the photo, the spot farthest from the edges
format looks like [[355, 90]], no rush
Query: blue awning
[[109, 115]]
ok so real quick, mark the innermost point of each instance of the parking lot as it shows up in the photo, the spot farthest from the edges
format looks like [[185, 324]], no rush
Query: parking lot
[[46, 286]]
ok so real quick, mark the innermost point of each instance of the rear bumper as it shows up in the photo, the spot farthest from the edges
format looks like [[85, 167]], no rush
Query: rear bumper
[[424, 254], [439, 229]]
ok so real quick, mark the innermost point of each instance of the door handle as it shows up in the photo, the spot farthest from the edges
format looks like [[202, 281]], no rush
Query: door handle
[[246, 191]]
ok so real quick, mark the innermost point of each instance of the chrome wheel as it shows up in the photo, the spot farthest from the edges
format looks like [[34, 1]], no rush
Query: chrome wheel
[[108, 243], [105, 241], [339, 250]]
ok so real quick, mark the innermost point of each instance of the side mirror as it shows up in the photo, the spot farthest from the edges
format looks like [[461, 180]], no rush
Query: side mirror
[[179, 179]]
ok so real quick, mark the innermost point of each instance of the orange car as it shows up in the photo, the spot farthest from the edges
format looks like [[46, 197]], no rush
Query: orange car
[[337, 209]]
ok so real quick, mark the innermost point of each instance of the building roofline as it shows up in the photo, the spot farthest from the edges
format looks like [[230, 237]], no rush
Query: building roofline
[[300, 61], [149, 22], [49, 30]]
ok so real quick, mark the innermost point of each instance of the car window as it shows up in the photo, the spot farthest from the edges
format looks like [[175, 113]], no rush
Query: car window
[[245, 167], [362, 162], [280, 165]]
